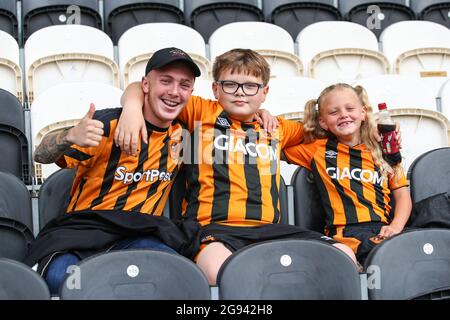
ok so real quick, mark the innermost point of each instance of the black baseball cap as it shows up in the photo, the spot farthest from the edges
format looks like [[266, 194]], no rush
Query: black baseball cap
[[166, 56]]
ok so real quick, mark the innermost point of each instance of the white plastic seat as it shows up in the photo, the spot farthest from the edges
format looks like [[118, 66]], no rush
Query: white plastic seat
[[138, 44], [68, 53], [63, 106], [419, 49], [413, 105], [271, 41], [444, 95], [203, 88], [10, 71], [340, 51]]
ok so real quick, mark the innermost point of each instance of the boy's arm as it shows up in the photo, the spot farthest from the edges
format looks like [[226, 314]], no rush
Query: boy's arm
[[403, 207], [131, 121], [87, 133]]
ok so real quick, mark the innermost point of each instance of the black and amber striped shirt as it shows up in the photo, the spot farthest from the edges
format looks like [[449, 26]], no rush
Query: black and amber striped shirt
[[232, 168], [108, 179], [351, 186]]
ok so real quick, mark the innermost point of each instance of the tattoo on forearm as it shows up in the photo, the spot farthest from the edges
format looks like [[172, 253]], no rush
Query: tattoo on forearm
[[52, 147]]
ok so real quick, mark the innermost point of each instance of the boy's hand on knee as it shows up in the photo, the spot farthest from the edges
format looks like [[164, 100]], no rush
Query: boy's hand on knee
[[388, 231]]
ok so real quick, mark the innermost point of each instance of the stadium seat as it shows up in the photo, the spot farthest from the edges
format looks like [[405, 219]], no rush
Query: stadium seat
[[38, 14], [289, 270], [432, 10], [121, 15], [288, 95], [54, 195], [340, 51], [203, 88], [10, 71], [8, 18], [444, 95], [205, 16], [412, 265], [425, 55], [20, 282], [294, 15], [82, 54], [63, 106], [271, 41], [376, 19], [137, 275], [425, 183], [16, 223], [411, 102], [134, 53]]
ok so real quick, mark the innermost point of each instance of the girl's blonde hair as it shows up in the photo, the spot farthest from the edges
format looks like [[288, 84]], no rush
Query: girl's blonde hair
[[368, 129]]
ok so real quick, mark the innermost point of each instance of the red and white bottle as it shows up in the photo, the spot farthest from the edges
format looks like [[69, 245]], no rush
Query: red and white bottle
[[389, 144]]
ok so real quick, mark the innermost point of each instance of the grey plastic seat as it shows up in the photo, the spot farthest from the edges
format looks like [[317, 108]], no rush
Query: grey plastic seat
[[288, 270], [432, 10], [121, 15], [308, 209], [38, 14], [206, 16], [8, 18], [54, 195], [137, 275], [16, 223], [412, 265], [294, 15], [11, 111], [429, 174], [391, 11], [20, 282]]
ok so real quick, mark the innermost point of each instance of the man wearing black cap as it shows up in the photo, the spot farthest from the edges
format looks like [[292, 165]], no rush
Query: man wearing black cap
[[117, 200]]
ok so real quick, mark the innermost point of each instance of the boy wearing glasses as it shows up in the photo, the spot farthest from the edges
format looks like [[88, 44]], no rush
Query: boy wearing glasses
[[233, 173]]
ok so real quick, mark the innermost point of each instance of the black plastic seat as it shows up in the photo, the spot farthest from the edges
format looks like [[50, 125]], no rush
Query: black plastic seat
[[137, 275], [308, 210], [20, 282], [121, 15], [8, 18], [54, 195], [412, 265], [289, 270], [11, 111], [429, 174], [206, 16], [16, 223], [391, 11], [294, 15], [38, 14], [432, 10]]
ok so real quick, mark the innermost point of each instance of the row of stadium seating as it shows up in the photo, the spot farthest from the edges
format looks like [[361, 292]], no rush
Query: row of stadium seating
[[22, 18], [412, 265]]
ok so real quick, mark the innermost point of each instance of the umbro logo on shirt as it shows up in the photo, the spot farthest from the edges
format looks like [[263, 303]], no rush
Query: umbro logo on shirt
[[223, 122], [330, 154]]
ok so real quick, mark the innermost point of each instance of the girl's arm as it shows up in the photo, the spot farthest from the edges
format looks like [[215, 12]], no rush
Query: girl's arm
[[403, 207], [131, 122]]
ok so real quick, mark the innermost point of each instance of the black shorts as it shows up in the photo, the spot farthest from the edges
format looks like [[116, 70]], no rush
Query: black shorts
[[235, 238]]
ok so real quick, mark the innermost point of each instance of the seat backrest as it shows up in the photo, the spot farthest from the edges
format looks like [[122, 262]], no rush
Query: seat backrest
[[271, 41], [54, 195], [432, 10], [424, 182], [37, 14], [205, 16], [10, 71], [294, 15], [20, 282], [137, 275], [308, 209], [444, 95], [8, 18], [134, 53], [410, 265], [376, 15], [11, 114], [340, 51], [16, 223], [289, 270], [122, 15], [83, 54]]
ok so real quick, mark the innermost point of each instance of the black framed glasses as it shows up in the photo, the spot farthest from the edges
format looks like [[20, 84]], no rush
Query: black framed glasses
[[231, 87]]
